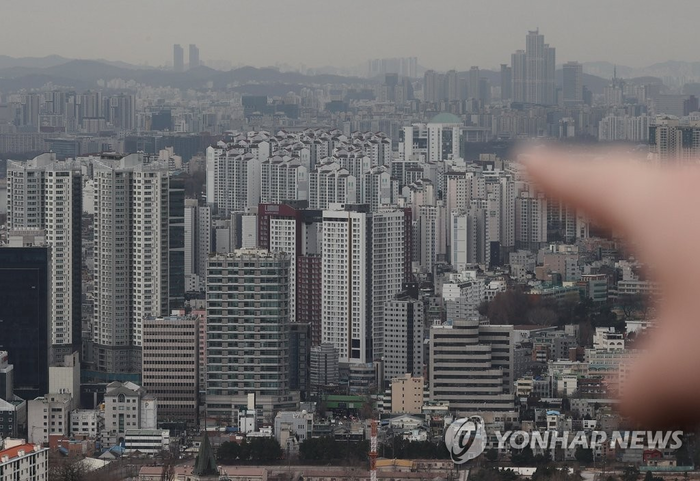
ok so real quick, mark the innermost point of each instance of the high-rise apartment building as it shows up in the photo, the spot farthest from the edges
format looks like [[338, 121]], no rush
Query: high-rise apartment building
[[533, 71], [506, 82], [296, 232], [283, 179], [233, 177], [46, 195], [25, 303], [573, 82], [248, 331], [471, 244], [403, 336], [170, 361], [671, 141], [391, 256], [346, 280], [330, 183], [178, 58], [132, 229], [194, 56]]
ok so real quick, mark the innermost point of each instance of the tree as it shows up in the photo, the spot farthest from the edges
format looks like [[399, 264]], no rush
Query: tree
[[630, 473], [492, 455], [584, 456], [509, 307], [67, 470], [228, 452], [648, 476]]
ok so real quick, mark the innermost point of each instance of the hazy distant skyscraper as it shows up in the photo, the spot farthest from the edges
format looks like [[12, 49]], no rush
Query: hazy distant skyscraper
[[194, 56], [473, 83], [506, 82], [573, 82], [178, 58], [518, 75], [533, 71]]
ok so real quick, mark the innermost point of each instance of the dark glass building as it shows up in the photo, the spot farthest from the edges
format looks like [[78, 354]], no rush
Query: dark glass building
[[24, 317]]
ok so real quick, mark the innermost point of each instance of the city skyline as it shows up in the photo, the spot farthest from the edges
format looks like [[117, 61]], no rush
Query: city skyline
[[497, 24]]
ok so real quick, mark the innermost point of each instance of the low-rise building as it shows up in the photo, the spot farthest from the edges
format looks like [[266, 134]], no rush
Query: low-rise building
[[146, 441], [407, 394], [85, 422], [128, 407], [26, 462], [48, 415]]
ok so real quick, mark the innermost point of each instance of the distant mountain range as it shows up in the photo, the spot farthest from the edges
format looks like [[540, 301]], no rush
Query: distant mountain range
[[35, 72], [31, 73], [672, 69]]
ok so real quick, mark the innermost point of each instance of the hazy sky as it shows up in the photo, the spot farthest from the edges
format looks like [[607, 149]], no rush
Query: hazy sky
[[443, 34]]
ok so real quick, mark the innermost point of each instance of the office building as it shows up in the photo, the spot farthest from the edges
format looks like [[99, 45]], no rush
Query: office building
[[194, 56], [198, 244], [46, 195], [485, 352], [25, 299], [323, 366], [170, 371], [178, 58], [132, 229], [26, 462], [248, 331]]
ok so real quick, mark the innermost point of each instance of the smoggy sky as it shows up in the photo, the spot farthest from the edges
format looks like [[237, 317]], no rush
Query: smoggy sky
[[443, 34]]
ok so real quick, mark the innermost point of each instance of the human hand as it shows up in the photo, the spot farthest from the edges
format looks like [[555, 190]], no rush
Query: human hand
[[656, 210]]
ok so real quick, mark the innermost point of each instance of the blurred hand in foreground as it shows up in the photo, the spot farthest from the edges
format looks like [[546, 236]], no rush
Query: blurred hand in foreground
[[657, 210]]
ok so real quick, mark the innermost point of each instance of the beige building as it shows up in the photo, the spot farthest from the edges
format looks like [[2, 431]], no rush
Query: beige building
[[170, 363], [407, 394]]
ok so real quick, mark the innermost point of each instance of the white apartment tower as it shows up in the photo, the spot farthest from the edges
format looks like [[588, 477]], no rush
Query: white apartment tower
[[131, 257], [390, 265], [233, 178], [346, 301], [283, 179], [330, 183], [46, 194]]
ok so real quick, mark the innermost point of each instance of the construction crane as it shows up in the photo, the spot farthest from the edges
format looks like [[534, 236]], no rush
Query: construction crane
[[373, 452]]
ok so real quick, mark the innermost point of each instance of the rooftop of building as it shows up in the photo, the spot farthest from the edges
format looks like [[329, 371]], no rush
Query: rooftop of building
[[446, 118], [21, 450]]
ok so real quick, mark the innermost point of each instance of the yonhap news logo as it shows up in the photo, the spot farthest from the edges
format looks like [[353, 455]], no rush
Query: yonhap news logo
[[466, 439]]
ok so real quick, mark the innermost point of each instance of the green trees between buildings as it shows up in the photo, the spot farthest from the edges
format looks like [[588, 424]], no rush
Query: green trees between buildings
[[256, 450]]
